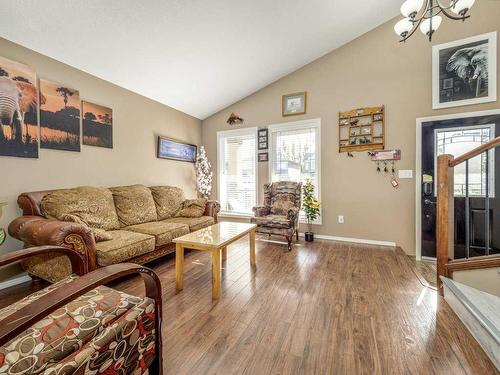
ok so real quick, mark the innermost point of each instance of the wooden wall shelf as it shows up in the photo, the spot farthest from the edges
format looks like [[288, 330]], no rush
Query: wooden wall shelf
[[362, 129]]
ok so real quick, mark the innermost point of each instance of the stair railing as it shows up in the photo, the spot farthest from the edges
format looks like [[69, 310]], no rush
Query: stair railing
[[445, 214]]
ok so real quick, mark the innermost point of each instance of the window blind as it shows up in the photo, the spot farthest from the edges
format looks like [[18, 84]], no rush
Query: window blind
[[295, 154], [237, 174]]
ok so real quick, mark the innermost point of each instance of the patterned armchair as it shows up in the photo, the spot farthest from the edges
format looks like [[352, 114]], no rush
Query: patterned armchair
[[80, 326], [280, 213]]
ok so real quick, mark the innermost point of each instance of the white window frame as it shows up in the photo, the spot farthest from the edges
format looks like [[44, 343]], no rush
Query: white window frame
[[298, 125], [491, 173], [236, 132]]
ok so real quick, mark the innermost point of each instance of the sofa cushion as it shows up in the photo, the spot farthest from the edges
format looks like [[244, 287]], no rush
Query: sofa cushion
[[134, 204], [168, 200], [194, 223], [124, 246], [102, 313], [99, 234], [163, 232], [281, 196], [93, 206], [192, 208], [273, 221]]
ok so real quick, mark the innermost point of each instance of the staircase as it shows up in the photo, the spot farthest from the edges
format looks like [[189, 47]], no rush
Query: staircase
[[478, 310]]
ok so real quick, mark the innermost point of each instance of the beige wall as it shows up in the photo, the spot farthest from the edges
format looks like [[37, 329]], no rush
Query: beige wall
[[487, 280], [371, 70], [137, 122]]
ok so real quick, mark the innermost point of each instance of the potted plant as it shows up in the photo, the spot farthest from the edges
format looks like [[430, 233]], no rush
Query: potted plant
[[310, 206]]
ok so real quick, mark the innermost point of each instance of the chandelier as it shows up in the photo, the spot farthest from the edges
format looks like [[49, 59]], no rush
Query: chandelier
[[425, 14]]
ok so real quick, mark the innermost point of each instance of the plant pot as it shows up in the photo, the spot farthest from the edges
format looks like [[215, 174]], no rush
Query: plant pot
[[309, 236]]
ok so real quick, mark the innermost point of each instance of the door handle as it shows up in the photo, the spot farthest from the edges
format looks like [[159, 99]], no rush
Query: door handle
[[428, 201]]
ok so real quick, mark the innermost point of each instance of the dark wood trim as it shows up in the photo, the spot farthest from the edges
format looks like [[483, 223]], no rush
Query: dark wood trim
[[477, 151], [78, 262], [444, 216], [473, 264], [25, 317]]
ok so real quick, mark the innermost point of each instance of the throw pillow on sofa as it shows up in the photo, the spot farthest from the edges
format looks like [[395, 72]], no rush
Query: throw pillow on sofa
[[93, 206], [192, 208], [168, 200], [134, 204]]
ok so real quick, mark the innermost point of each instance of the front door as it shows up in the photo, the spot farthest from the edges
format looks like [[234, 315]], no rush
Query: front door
[[456, 137]]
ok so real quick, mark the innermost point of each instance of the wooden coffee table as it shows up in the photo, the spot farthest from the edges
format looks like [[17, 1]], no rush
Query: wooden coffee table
[[214, 239]]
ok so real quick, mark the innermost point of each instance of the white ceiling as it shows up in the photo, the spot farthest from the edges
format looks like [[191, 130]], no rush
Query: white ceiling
[[197, 56]]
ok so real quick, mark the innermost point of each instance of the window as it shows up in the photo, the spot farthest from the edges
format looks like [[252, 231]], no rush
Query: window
[[458, 141], [237, 170], [295, 152]]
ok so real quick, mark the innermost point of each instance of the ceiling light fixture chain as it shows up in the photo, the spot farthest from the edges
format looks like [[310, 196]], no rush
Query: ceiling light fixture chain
[[429, 19]]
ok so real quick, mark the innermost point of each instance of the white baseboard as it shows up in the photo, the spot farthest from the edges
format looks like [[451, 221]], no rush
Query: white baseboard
[[354, 240], [14, 281]]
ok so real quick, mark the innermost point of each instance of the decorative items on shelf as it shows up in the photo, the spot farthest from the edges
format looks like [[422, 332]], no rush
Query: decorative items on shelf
[[361, 129], [234, 119], [425, 14], [203, 173], [386, 161], [2, 231], [263, 138], [263, 156], [294, 104], [311, 206]]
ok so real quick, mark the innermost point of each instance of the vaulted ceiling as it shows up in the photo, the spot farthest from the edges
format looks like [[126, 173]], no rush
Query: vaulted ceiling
[[197, 56]]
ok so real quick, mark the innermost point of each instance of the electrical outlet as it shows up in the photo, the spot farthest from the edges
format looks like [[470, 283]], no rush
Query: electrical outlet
[[341, 219]]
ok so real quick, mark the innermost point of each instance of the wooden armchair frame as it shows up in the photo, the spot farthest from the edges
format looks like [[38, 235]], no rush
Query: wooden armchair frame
[[25, 317]]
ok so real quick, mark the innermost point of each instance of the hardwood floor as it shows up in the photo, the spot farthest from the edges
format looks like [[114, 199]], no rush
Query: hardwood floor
[[323, 308]]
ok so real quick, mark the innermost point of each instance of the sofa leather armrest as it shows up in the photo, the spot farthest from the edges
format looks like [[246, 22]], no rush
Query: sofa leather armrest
[[260, 211], [38, 231], [212, 208]]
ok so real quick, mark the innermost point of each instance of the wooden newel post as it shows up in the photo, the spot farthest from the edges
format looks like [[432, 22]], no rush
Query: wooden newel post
[[444, 217]]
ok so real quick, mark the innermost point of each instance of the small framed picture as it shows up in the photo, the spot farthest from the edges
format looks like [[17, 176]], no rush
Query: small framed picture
[[263, 156], [464, 71], [263, 146], [263, 139], [262, 133], [294, 104]]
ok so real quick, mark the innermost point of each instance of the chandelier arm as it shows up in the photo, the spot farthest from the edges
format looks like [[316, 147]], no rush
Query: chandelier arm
[[415, 28], [452, 4], [451, 16]]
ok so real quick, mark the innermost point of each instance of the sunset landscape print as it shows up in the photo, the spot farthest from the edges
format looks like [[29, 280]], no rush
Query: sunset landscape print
[[59, 117], [97, 125]]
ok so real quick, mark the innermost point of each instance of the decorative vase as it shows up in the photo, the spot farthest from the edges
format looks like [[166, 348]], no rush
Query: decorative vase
[[309, 236]]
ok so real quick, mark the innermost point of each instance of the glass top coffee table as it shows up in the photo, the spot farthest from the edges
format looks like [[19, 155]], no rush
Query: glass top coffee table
[[214, 239]]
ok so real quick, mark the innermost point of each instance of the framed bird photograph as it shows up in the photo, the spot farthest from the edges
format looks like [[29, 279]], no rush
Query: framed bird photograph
[[464, 72]]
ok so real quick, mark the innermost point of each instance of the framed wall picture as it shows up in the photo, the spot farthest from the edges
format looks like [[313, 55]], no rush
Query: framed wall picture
[[263, 156], [294, 104], [263, 140], [59, 117], [19, 106], [464, 71], [175, 150], [97, 126]]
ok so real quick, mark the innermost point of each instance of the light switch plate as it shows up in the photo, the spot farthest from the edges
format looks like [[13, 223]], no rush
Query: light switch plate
[[405, 173]]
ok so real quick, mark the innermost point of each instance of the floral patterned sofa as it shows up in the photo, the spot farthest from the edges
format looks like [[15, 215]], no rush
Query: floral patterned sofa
[[80, 326], [107, 226]]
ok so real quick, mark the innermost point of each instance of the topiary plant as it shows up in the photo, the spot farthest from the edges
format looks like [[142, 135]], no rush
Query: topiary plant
[[310, 204]]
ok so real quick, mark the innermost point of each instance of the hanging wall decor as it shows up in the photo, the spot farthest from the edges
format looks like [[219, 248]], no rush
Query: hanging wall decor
[[294, 104], [234, 119], [19, 103], [263, 139], [176, 150], [361, 129], [464, 71], [386, 162], [97, 127], [59, 117]]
